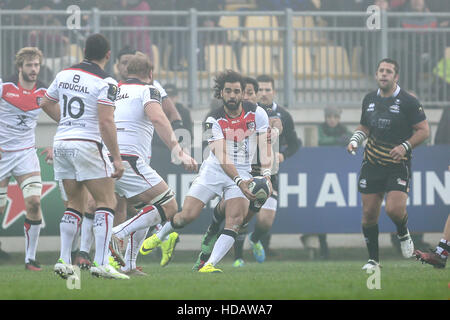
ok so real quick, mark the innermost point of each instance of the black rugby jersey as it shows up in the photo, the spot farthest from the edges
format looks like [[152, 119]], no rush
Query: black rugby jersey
[[390, 121]]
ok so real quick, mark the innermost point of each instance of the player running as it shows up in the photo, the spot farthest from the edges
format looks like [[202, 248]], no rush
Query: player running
[[233, 132], [394, 123], [138, 113], [210, 237], [85, 117], [19, 111]]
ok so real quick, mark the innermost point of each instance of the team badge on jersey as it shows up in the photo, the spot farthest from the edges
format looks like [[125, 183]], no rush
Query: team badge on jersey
[[112, 92], [363, 183], [251, 125], [371, 107], [394, 109], [208, 130], [154, 94], [38, 100]]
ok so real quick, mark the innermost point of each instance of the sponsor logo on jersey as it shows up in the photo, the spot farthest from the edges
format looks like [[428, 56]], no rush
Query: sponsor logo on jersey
[[73, 87], [363, 183], [394, 108], [371, 107], [12, 94]]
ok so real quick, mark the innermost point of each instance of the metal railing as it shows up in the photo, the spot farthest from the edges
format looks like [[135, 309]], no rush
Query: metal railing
[[317, 58]]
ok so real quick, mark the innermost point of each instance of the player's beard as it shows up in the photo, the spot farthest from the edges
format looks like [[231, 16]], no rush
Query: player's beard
[[387, 86], [232, 106], [26, 78]]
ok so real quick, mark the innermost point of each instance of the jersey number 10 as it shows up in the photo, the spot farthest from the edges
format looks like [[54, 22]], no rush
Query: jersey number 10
[[68, 107]]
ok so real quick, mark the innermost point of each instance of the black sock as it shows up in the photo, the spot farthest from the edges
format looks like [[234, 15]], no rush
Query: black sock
[[257, 234], [371, 237], [402, 228], [239, 246], [217, 219], [265, 240]]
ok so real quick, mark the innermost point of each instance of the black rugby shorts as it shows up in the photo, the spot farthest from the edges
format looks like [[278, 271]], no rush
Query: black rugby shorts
[[377, 178]]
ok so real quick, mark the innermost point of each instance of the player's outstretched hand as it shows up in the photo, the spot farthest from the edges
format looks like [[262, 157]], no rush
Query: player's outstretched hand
[[189, 163], [48, 151], [397, 153], [244, 188], [351, 147], [118, 169]]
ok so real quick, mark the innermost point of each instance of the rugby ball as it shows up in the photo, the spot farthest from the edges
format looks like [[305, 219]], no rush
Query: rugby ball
[[260, 188]]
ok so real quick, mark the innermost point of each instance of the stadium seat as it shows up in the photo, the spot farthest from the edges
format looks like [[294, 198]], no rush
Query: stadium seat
[[219, 58], [333, 62], [159, 71], [228, 22], [156, 60], [262, 36], [305, 36], [447, 53], [302, 62], [76, 52], [317, 3], [259, 59], [239, 6]]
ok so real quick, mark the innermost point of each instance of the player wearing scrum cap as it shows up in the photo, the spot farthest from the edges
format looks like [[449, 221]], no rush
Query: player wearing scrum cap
[[394, 123], [19, 110]]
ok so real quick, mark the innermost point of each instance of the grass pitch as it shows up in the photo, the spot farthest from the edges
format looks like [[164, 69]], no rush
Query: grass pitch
[[289, 276]]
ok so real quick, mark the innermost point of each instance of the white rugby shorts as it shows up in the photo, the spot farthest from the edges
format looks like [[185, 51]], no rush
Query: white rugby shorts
[[270, 204], [19, 163], [212, 182], [80, 160], [137, 177]]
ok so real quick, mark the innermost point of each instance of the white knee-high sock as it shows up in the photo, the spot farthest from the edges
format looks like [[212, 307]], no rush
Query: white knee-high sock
[[87, 233], [134, 243], [222, 246], [149, 216], [31, 230], [103, 222], [68, 228], [164, 232]]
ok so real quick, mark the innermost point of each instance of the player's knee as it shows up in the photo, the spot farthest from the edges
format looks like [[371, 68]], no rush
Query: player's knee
[[234, 223], [92, 206], [170, 208], [31, 187], [394, 209]]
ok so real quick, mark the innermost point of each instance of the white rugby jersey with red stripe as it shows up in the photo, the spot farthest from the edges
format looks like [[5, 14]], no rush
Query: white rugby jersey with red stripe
[[134, 128], [78, 89], [19, 111], [240, 134]]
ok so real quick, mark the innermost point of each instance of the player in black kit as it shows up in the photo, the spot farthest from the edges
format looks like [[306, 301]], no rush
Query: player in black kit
[[394, 123]]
